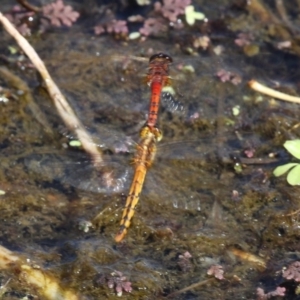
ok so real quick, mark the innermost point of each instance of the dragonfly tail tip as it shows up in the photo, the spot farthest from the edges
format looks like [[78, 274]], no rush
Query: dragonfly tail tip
[[119, 237]]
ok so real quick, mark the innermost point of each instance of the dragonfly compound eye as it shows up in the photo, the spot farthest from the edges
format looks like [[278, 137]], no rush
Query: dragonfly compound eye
[[161, 56]]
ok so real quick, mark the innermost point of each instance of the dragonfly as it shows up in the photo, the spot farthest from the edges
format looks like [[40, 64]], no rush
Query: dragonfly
[[158, 77], [114, 108]]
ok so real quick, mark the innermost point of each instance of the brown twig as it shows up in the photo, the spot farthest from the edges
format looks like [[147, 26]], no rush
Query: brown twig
[[45, 283], [258, 160], [284, 16], [258, 8], [272, 93], [293, 213], [65, 111], [190, 287], [17, 83], [29, 6], [256, 260]]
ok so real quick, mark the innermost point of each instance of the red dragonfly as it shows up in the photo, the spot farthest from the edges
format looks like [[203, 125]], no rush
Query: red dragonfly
[[116, 112], [158, 77]]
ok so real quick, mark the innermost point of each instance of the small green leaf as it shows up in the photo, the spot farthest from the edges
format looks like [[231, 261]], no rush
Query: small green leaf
[[293, 177], [12, 49], [236, 110], [75, 143], [293, 147], [238, 168], [283, 169], [191, 15], [134, 35]]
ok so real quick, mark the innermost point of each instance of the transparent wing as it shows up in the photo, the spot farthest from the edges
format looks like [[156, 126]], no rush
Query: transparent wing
[[77, 170], [187, 175]]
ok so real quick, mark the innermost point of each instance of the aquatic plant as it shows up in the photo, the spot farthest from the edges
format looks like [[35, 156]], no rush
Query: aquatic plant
[[244, 39], [117, 281], [55, 14], [17, 15], [113, 26], [217, 271], [225, 76], [191, 15], [261, 295], [60, 14], [171, 9], [293, 169], [202, 42], [184, 261], [165, 15], [293, 271], [153, 26]]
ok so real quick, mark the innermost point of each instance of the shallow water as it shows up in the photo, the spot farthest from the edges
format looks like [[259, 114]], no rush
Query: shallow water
[[194, 198]]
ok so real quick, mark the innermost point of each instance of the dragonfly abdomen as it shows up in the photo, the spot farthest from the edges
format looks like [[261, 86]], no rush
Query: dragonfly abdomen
[[144, 157]]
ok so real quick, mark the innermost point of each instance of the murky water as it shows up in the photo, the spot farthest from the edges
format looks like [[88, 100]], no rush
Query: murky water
[[195, 197]]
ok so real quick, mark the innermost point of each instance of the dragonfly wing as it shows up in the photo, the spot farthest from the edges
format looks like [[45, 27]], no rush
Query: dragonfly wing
[[78, 171], [186, 175], [170, 102], [184, 186]]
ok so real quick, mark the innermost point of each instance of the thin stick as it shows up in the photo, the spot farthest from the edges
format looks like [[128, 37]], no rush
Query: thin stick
[[272, 93], [293, 213], [283, 14], [247, 256], [65, 111], [45, 283], [190, 287], [29, 6], [19, 84]]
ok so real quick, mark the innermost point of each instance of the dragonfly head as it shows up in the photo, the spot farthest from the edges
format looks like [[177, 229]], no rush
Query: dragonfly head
[[161, 57]]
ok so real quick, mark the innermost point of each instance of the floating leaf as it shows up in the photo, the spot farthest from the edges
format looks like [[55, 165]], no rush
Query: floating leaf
[[236, 110], [143, 2], [293, 147], [191, 15], [134, 35], [283, 169], [293, 177], [75, 143]]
